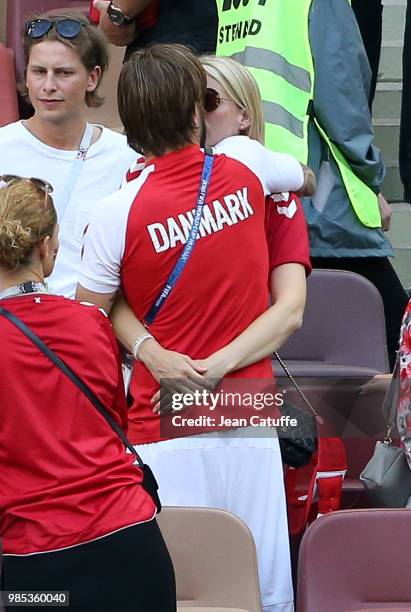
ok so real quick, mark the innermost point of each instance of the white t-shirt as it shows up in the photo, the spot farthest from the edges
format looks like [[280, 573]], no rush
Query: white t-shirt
[[277, 172], [105, 239], [107, 162]]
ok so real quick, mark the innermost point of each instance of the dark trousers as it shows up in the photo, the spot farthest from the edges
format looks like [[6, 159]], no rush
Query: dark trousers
[[405, 129], [129, 570], [369, 18], [379, 271]]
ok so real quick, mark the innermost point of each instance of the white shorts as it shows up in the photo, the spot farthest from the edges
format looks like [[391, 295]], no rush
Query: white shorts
[[233, 471]]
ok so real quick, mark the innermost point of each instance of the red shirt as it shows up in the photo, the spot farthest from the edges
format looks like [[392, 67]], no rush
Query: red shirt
[[65, 477], [136, 236], [286, 231], [223, 287], [285, 224]]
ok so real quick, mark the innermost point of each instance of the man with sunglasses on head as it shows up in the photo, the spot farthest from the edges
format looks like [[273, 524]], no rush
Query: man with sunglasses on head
[[66, 58]]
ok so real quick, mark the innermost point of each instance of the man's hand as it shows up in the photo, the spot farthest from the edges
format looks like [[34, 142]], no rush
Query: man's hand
[[120, 36], [309, 185], [213, 366], [385, 212], [176, 372]]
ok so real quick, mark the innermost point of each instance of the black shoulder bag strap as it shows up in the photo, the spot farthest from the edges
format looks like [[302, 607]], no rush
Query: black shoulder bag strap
[[149, 482]]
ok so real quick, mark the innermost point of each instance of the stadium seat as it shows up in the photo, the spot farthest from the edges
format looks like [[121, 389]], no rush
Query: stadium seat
[[214, 559], [184, 608], [343, 333], [339, 348], [1, 548], [8, 88], [355, 560]]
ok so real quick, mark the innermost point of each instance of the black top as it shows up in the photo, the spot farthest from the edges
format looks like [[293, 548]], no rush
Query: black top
[[189, 22]]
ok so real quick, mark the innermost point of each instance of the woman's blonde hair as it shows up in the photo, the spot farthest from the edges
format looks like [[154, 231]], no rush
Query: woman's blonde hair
[[27, 215], [242, 88]]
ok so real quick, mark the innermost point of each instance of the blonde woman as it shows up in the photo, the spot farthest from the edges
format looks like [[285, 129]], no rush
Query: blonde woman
[[234, 107]]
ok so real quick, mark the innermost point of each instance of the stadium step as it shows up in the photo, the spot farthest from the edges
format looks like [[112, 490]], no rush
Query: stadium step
[[386, 121]]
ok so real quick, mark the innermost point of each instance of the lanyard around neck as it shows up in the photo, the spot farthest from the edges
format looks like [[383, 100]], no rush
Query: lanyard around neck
[[23, 289], [75, 171], [189, 245]]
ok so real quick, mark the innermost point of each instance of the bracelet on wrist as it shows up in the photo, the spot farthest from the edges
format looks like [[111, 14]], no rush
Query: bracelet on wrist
[[137, 344]]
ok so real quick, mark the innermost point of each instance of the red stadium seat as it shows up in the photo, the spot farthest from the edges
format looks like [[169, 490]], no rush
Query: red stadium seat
[[8, 92], [1, 603], [355, 560], [343, 333]]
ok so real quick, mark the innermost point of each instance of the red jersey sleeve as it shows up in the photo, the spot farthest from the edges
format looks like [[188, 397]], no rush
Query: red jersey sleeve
[[286, 231]]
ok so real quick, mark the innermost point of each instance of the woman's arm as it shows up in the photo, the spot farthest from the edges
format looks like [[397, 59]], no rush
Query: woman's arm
[[257, 341], [264, 335], [270, 330]]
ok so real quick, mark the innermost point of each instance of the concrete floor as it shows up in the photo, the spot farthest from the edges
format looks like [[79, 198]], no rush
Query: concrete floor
[[400, 236]]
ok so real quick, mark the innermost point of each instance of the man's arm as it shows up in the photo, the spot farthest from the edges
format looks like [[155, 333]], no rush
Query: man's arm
[[161, 362], [102, 300], [120, 35], [99, 278]]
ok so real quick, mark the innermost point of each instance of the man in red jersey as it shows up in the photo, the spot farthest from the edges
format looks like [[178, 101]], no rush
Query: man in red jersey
[[135, 240]]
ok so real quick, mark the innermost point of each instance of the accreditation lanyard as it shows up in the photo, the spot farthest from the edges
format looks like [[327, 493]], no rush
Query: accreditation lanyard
[[76, 168], [189, 246], [23, 289]]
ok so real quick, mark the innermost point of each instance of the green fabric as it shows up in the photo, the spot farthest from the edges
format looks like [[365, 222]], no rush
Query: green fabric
[[277, 64], [262, 35]]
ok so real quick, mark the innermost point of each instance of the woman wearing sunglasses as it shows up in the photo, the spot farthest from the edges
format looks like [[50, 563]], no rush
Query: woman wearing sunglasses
[[233, 107], [66, 59], [74, 514], [233, 117]]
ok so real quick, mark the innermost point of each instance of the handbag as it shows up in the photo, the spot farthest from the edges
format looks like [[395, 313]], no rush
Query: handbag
[[297, 444], [149, 482], [387, 476]]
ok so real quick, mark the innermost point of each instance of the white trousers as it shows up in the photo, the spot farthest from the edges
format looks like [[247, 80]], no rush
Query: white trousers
[[233, 471]]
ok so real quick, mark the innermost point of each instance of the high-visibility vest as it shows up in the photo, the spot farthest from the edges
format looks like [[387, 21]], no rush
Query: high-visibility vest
[[271, 38]]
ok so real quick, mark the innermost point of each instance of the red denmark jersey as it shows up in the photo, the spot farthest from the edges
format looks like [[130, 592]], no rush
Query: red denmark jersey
[[65, 477], [223, 287], [137, 235], [285, 225]]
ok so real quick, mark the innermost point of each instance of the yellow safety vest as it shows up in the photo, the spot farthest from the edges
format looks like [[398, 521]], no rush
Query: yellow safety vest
[[271, 38]]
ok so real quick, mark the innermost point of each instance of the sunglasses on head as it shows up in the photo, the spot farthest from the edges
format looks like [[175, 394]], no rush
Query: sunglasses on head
[[45, 187], [66, 27], [212, 100], [13, 178]]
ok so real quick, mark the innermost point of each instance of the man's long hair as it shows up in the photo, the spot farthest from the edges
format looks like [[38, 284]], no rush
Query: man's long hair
[[160, 98]]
